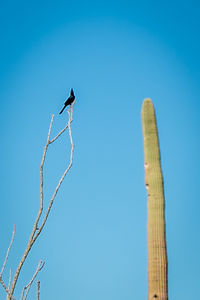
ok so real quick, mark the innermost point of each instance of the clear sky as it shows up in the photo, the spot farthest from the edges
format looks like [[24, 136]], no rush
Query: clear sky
[[114, 54]]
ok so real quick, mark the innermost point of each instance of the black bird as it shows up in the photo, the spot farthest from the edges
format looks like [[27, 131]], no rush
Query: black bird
[[69, 100]]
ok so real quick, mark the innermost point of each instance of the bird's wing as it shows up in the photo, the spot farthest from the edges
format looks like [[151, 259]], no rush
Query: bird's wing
[[67, 102]]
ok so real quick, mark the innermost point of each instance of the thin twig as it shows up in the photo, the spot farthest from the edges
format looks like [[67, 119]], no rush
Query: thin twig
[[41, 181], [38, 290], [57, 136], [27, 287], [9, 280], [48, 137], [4, 265], [7, 254]]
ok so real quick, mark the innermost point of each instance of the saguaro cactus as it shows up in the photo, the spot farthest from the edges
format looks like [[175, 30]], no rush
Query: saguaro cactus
[[157, 253]]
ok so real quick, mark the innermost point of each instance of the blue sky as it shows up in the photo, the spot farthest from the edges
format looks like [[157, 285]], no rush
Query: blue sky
[[114, 54]]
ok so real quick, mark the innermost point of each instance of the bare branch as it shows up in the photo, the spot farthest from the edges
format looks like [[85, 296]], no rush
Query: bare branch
[[57, 136], [3, 285], [41, 181], [4, 265], [6, 289], [36, 231], [9, 296], [27, 287], [70, 113], [9, 281], [38, 290], [7, 254], [48, 137], [35, 226]]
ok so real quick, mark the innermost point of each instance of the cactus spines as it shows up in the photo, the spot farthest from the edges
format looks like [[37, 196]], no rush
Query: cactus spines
[[157, 253]]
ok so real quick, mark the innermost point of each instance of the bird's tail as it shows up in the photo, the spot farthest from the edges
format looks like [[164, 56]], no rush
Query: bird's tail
[[62, 110]]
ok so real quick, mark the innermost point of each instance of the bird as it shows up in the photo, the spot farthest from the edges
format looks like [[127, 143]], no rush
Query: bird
[[69, 101]]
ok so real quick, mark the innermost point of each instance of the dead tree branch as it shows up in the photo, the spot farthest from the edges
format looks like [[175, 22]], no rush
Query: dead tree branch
[[5, 288], [8, 251], [27, 287], [4, 265], [37, 229], [38, 290], [9, 280]]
